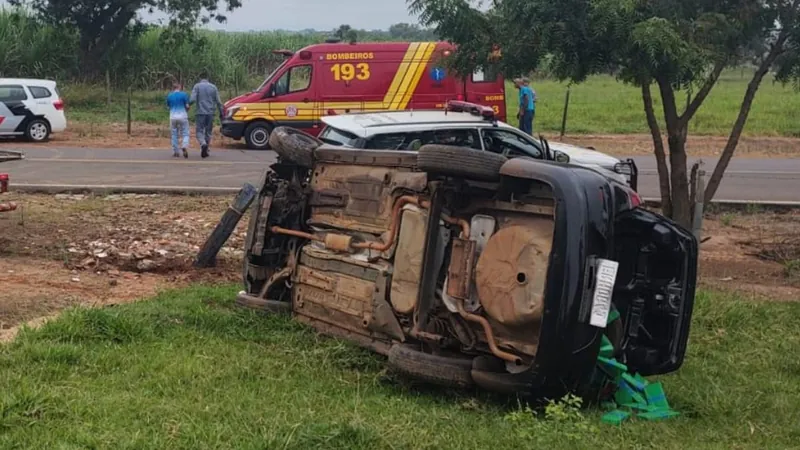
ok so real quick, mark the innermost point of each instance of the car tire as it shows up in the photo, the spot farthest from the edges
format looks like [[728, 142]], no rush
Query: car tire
[[263, 306], [439, 370], [257, 135], [460, 162], [38, 130], [294, 145]]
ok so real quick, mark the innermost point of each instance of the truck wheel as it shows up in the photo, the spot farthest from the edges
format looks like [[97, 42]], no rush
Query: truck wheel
[[460, 162], [434, 369], [37, 130], [294, 145], [257, 134]]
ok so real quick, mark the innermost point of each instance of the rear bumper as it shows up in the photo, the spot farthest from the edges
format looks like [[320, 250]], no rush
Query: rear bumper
[[233, 129]]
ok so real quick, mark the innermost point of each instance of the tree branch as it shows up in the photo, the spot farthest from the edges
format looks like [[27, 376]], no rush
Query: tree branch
[[658, 148], [698, 99], [744, 111]]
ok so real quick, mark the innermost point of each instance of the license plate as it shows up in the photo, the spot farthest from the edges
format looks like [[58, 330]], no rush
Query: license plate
[[605, 277]]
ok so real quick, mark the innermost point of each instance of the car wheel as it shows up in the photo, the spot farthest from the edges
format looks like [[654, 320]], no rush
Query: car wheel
[[257, 134], [263, 306], [294, 145], [460, 162], [440, 370], [37, 131]]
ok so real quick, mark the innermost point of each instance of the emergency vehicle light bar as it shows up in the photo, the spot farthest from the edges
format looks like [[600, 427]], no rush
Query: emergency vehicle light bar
[[472, 108]]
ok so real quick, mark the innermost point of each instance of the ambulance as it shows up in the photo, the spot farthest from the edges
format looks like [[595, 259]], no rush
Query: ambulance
[[340, 78]]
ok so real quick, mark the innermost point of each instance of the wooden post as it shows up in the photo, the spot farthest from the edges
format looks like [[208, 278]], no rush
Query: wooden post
[[700, 189], [564, 117], [208, 253], [130, 93], [108, 87]]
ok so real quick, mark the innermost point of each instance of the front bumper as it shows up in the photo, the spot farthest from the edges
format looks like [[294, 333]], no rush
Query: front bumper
[[233, 129]]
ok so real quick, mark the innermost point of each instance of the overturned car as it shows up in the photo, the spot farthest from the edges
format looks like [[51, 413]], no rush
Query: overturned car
[[466, 268]]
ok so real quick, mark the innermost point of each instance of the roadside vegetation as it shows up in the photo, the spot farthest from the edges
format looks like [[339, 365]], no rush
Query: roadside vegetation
[[188, 370]]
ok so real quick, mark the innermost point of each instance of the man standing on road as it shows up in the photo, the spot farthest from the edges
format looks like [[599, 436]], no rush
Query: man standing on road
[[206, 95], [178, 104], [527, 105]]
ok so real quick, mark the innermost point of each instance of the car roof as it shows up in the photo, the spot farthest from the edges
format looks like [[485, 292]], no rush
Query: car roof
[[369, 124], [27, 81]]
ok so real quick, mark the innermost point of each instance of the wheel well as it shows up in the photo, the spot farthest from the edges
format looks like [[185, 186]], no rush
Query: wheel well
[[255, 121], [28, 122]]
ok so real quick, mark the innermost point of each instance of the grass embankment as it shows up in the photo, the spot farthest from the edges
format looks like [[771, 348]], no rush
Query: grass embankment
[[601, 105], [186, 370]]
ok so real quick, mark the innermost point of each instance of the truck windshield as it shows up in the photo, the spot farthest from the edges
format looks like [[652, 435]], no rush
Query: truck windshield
[[271, 76], [335, 136]]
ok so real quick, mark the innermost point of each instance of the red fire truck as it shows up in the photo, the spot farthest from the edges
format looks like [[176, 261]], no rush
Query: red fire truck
[[339, 78]]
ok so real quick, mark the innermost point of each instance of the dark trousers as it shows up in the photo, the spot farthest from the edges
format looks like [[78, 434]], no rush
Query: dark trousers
[[526, 121]]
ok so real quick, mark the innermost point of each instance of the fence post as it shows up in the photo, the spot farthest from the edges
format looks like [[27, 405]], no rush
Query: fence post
[[700, 189], [130, 93], [108, 86], [564, 117]]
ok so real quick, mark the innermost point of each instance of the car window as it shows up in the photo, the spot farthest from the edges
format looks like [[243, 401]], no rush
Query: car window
[[12, 93], [296, 79], [335, 136], [509, 143], [39, 92], [461, 137]]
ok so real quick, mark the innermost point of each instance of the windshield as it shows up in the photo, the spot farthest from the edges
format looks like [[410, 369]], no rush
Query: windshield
[[335, 136], [269, 78]]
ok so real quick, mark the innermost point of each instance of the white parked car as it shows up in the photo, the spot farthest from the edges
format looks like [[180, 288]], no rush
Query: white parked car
[[31, 108], [464, 125]]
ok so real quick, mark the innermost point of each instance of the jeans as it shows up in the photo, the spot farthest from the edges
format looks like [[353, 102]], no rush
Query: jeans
[[205, 125], [526, 121], [180, 129]]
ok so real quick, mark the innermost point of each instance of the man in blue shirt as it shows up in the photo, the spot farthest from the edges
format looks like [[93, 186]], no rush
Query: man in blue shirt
[[178, 103], [527, 105]]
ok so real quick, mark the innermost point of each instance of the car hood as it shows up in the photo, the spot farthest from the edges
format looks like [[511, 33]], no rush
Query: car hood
[[580, 155]]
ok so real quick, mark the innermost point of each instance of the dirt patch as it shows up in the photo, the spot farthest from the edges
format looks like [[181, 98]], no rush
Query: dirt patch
[[148, 136], [738, 255], [67, 250]]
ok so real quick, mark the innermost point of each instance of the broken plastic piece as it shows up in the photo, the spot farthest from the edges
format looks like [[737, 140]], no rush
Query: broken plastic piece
[[616, 367], [615, 417], [658, 414], [613, 315], [656, 396], [634, 383]]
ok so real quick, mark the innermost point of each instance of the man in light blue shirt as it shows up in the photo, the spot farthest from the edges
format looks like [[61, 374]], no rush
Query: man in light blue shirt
[[527, 105], [178, 104]]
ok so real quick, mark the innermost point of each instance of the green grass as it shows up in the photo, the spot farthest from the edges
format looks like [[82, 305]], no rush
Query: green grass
[[601, 105], [186, 370]]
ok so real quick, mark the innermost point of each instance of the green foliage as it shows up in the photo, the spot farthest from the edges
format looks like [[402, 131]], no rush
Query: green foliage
[[152, 57]]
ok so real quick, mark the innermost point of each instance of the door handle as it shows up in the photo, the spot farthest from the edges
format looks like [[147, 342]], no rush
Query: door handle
[[305, 100]]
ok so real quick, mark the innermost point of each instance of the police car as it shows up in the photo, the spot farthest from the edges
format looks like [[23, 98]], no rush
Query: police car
[[30, 108], [465, 125]]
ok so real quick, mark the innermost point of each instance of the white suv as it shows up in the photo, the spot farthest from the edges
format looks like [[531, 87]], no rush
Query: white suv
[[465, 125], [30, 108]]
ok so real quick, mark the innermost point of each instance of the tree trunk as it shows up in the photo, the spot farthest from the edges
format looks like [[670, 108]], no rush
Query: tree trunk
[[676, 140], [738, 126], [658, 148]]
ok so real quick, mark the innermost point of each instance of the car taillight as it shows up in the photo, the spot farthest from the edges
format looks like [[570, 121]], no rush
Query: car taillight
[[636, 199], [59, 104]]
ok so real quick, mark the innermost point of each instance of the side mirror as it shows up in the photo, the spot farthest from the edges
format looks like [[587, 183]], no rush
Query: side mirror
[[270, 91], [560, 157]]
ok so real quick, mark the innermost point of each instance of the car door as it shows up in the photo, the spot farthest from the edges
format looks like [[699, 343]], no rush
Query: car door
[[510, 143], [13, 109], [292, 99]]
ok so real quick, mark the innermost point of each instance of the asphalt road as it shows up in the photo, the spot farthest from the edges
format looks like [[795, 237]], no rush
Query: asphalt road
[[745, 180]]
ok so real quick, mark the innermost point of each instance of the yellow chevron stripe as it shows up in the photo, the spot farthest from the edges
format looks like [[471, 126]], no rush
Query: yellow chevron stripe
[[392, 93], [409, 76], [418, 75]]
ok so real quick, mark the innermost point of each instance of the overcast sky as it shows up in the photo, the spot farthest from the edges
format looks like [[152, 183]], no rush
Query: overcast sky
[[318, 14]]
